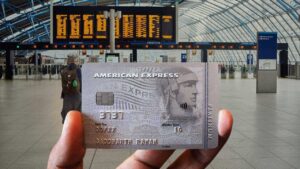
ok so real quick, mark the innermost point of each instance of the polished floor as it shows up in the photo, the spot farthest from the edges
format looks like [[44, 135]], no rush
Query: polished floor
[[266, 132]]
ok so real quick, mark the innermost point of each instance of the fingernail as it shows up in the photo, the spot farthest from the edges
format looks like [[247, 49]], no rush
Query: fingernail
[[66, 123]]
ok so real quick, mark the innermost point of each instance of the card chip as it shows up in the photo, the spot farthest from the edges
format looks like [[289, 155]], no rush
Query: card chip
[[105, 98]]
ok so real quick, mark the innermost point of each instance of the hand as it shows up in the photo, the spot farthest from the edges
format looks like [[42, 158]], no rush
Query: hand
[[69, 151]]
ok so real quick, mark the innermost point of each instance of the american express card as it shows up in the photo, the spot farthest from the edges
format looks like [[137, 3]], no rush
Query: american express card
[[149, 105]]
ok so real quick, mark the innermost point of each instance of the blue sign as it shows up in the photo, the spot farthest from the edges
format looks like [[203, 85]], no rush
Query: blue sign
[[249, 59], [267, 45], [183, 57]]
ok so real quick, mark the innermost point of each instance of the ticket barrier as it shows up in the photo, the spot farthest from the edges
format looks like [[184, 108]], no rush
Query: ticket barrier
[[231, 72], [2, 71], [35, 72], [297, 70], [244, 72], [223, 72]]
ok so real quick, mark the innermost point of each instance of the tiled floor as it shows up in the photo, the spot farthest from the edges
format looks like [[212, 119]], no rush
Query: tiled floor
[[266, 132]]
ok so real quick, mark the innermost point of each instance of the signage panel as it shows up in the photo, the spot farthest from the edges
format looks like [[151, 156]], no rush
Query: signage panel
[[88, 24]]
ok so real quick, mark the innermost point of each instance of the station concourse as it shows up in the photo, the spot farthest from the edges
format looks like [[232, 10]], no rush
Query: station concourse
[[254, 44]]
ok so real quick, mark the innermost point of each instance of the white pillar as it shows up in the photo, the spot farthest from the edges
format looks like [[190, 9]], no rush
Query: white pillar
[[51, 22], [112, 30]]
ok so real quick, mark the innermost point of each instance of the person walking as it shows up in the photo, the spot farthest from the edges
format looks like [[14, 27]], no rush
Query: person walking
[[71, 87]]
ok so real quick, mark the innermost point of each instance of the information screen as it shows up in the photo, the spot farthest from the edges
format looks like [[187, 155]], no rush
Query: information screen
[[88, 26], [128, 26], [101, 30], [82, 24], [112, 57], [141, 26], [167, 24], [61, 26], [75, 31], [154, 26]]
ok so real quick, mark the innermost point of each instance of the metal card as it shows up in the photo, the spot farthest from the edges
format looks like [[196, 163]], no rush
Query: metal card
[[150, 106]]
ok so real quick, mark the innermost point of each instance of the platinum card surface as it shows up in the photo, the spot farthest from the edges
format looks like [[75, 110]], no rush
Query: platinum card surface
[[149, 105]]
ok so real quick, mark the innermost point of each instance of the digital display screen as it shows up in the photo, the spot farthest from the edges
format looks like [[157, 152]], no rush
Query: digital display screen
[[154, 26], [128, 26], [141, 26], [167, 24], [61, 26], [80, 24], [117, 28], [112, 57], [101, 31], [75, 32], [88, 26]]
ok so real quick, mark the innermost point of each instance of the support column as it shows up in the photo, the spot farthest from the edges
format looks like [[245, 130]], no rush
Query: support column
[[112, 30], [9, 64], [188, 55], [204, 55], [38, 66], [133, 58], [283, 63]]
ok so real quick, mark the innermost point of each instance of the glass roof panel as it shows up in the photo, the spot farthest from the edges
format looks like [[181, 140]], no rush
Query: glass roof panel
[[200, 20]]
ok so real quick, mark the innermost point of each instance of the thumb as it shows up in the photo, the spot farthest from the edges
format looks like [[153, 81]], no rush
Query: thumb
[[69, 150]]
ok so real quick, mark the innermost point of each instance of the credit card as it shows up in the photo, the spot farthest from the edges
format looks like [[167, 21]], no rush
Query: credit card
[[150, 105]]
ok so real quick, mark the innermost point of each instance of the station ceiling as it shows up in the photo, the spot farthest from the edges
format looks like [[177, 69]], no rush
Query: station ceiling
[[28, 21]]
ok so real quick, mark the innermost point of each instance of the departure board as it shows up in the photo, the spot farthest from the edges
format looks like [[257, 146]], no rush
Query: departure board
[[81, 24], [141, 26], [154, 26], [61, 28], [75, 31], [167, 24], [128, 26], [88, 26], [101, 31], [117, 28]]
